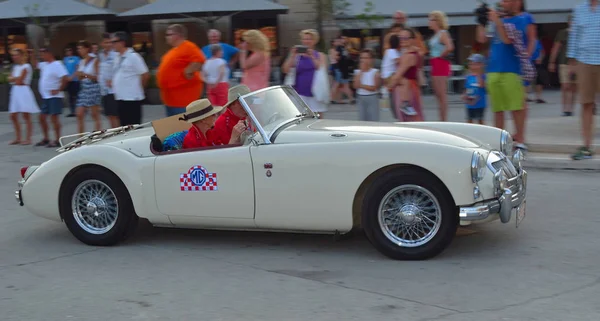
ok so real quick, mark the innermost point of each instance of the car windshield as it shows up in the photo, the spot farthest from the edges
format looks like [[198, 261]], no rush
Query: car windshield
[[274, 106]]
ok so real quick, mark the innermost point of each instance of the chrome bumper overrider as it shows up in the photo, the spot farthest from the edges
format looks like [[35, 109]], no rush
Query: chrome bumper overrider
[[512, 196], [18, 194]]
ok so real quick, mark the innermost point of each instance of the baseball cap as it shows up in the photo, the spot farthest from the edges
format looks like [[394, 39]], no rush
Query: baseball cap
[[477, 58]]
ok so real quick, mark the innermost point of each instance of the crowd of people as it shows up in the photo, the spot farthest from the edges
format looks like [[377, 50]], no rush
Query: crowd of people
[[112, 78]]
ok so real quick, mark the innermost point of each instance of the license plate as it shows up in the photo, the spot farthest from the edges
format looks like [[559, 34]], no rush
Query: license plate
[[521, 213]]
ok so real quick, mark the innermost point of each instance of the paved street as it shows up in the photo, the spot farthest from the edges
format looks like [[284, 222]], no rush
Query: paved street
[[547, 269]]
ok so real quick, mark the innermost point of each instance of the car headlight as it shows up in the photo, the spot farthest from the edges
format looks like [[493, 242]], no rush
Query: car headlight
[[506, 144], [478, 167]]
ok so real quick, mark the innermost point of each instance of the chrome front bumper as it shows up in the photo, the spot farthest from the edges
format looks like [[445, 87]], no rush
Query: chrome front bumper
[[512, 196]]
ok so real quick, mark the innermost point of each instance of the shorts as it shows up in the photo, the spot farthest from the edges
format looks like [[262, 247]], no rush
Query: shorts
[[52, 106], [339, 77], [506, 91], [440, 67], [109, 104], [563, 74], [588, 81], [475, 113]]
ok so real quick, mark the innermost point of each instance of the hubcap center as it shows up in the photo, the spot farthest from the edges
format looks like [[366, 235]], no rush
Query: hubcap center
[[96, 206], [408, 213]]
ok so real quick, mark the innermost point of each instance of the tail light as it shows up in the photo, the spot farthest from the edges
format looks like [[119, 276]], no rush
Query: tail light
[[23, 171]]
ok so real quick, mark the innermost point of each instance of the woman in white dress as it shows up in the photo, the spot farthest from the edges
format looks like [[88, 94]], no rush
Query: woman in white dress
[[22, 101]]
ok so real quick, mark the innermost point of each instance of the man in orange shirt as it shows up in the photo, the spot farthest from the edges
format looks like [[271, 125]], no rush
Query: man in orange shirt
[[178, 74]]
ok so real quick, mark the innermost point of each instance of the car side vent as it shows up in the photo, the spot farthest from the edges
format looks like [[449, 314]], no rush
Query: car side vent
[[338, 135]]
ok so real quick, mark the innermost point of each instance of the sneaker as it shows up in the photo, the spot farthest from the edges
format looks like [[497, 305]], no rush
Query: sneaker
[[408, 110], [582, 153]]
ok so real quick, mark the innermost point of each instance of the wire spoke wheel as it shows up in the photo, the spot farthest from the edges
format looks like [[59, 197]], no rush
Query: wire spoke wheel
[[409, 215], [95, 207]]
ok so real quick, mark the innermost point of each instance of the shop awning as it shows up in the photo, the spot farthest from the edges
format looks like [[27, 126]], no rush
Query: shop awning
[[460, 13], [50, 11], [175, 9]]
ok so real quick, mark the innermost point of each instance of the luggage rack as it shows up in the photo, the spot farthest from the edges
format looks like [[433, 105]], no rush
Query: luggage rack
[[92, 137]]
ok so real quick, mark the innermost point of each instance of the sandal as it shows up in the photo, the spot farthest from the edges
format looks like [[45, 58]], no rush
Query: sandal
[[25, 143], [15, 142], [43, 142]]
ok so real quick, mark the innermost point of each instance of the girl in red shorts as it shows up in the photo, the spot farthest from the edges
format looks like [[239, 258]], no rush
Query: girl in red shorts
[[440, 45]]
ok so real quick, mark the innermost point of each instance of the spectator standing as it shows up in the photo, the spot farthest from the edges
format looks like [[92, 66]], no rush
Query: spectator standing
[[342, 73], [584, 57], [567, 78], [178, 74], [306, 64], [130, 76], [72, 63], [54, 78], [441, 46], [230, 53], [475, 94], [257, 66], [405, 84], [367, 82], [22, 101], [89, 93], [505, 63], [389, 65], [107, 58], [216, 76]]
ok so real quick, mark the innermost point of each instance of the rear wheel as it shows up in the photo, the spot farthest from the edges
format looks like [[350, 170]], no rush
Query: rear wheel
[[409, 215], [97, 208]]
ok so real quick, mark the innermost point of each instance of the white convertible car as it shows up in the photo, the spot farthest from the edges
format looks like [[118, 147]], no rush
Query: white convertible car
[[407, 185]]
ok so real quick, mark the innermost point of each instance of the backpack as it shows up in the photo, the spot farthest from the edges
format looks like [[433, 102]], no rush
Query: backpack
[[174, 141]]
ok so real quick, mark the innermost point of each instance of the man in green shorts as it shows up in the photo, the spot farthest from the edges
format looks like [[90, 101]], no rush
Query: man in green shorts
[[504, 81]]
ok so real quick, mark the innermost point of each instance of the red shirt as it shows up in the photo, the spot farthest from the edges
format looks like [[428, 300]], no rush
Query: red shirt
[[194, 139], [224, 126]]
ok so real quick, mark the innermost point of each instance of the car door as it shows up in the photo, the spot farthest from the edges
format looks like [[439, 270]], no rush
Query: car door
[[212, 182]]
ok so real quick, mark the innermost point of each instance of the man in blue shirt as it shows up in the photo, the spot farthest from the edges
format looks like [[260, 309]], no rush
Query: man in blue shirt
[[230, 53], [503, 81], [71, 62]]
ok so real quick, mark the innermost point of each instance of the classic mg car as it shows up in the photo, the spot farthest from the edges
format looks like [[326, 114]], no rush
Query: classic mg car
[[408, 186]]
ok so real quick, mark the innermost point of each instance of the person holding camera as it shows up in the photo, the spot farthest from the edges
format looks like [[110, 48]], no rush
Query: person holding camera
[[508, 63], [306, 61]]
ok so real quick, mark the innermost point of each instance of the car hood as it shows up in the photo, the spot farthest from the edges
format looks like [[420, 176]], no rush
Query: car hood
[[341, 130]]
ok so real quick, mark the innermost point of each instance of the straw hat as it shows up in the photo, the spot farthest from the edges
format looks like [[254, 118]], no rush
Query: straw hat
[[198, 110], [235, 92]]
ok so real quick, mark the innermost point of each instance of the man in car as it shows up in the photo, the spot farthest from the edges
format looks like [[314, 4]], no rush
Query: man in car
[[233, 116], [202, 115]]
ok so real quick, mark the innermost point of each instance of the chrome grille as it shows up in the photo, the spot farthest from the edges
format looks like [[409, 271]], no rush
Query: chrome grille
[[498, 162]]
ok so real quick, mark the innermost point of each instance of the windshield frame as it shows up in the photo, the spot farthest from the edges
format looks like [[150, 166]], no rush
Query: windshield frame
[[259, 127]]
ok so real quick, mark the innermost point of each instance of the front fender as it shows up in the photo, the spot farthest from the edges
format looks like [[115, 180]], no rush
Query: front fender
[[488, 136], [41, 190]]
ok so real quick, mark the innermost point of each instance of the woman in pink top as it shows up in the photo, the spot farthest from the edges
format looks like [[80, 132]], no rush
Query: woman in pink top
[[256, 67]]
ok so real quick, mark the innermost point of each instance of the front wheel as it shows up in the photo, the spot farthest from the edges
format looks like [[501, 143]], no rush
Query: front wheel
[[409, 215], [97, 208]]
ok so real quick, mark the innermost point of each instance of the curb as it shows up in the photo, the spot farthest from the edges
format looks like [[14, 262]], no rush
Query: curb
[[556, 148], [560, 162]]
